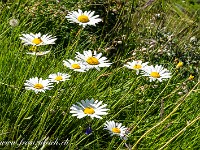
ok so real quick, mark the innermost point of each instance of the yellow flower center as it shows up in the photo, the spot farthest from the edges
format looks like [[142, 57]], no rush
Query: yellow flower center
[[155, 74], [76, 66], [92, 61], [83, 18], [38, 86], [89, 110], [37, 41], [58, 78], [116, 130], [137, 66]]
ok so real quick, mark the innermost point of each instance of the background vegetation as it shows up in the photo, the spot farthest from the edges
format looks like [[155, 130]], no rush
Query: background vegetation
[[159, 115]]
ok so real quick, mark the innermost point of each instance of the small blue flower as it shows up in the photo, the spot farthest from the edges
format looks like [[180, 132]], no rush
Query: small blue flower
[[88, 130]]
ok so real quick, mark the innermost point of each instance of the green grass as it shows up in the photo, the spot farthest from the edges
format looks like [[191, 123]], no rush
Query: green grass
[[159, 115]]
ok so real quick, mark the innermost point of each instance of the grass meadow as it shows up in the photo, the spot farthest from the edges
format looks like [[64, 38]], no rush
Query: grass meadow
[[157, 115]]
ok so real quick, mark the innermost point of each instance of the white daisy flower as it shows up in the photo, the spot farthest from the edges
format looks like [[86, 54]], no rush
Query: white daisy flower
[[58, 77], [83, 18], [136, 65], [115, 128], [93, 60], [156, 73], [41, 53], [75, 65], [91, 108], [38, 84], [37, 39]]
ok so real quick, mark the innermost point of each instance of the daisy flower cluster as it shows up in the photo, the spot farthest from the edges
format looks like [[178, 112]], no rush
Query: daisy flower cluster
[[83, 62], [154, 73], [95, 109], [41, 85], [87, 60]]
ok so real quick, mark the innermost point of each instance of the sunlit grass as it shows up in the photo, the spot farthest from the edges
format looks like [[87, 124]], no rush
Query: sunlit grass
[[158, 115]]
